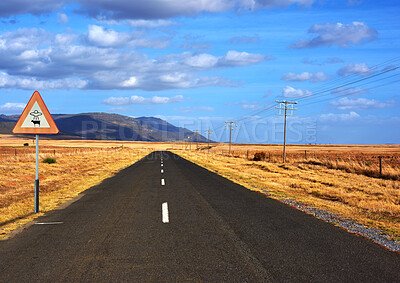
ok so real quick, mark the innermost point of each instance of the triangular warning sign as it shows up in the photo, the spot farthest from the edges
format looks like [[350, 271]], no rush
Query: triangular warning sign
[[36, 118]]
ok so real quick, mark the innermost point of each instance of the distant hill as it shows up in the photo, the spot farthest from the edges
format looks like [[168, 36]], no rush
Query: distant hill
[[104, 126]]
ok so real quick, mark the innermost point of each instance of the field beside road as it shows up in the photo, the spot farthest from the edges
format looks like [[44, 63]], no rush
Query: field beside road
[[344, 189], [371, 201], [76, 169]]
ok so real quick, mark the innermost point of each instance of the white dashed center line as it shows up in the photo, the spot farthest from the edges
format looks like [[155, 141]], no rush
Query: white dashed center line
[[162, 164], [48, 223], [162, 170], [162, 182], [165, 216]]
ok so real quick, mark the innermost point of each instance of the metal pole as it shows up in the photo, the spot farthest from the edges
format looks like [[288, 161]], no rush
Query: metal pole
[[284, 136], [37, 176], [230, 138]]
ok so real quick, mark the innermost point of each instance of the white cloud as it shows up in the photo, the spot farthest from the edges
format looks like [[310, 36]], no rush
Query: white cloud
[[339, 34], [134, 99], [166, 100], [339, 117], [105, 37], [63, 60], [131, 82], [12, 108], [289, 91], [101, 36], [7, 81], [235, 58], [62, 18], [346, 103], [202, 61], [305, 76], [360, 69], [230, 59]]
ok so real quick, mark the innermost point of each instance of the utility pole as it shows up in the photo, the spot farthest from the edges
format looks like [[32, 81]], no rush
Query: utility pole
[[231, 125], [284, 106], [190, 143], [208, 134], [197, 138]]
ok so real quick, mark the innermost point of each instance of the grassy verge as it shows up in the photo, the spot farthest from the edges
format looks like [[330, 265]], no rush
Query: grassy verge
[[369, 201], [59, 182]]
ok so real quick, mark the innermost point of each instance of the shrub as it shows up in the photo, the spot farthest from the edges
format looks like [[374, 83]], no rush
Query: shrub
[[26, 144], [258, 156], [49, 160]]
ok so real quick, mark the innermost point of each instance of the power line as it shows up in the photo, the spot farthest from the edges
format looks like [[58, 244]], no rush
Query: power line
[[330, 86]]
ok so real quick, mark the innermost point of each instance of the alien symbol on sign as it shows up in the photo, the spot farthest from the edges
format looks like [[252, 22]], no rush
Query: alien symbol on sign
[[36, 119]]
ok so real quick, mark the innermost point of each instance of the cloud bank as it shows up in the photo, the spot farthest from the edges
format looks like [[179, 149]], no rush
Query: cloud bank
[[342, 35], [143, 10], [100, 59]]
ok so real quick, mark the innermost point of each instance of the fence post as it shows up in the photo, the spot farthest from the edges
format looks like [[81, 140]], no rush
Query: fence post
[[15, 152], [305, 154], [349, 159], [325, 157], [315, 155], [269, 156], [247, 154], [380, 165], [363, 162]]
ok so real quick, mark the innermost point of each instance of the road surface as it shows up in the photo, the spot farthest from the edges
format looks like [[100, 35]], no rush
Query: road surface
[[165, 219]]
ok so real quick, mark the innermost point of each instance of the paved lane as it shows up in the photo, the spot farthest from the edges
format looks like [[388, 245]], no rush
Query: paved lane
[[165, 219]]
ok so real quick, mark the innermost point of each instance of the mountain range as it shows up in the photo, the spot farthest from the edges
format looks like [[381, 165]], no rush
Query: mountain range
[[104, 126]]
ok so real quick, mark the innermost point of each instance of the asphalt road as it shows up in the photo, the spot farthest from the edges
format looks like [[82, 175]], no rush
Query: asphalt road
[[193, 226]]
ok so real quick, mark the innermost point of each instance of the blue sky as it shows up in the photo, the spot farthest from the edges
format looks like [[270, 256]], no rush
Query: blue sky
[[198, 64]]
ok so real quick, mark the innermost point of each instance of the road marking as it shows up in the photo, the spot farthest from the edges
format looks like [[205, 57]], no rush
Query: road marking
[[165, 216], [162, 182], [48, 223], [162, 164], [162, 170]]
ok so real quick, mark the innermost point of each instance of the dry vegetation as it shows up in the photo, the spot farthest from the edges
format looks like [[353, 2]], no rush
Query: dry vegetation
[[76, 170], [374, 202], [82, 164], [359, 159]]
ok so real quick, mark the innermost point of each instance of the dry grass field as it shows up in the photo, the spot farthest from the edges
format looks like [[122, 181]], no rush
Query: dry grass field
[[76, 169], [371, 201], [327, 179]]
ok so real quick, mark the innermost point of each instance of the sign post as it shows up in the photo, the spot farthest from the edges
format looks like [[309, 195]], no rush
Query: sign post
[[36, 119]]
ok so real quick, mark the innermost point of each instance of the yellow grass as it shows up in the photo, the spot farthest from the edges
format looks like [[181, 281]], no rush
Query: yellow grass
[[370, 201], [74, 172]]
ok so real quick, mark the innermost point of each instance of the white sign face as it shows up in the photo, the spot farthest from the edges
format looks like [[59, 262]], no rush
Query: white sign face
[[35, 119]]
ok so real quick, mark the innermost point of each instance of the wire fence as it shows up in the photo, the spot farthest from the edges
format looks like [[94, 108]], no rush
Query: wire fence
[[10, 154], [381, 165]]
